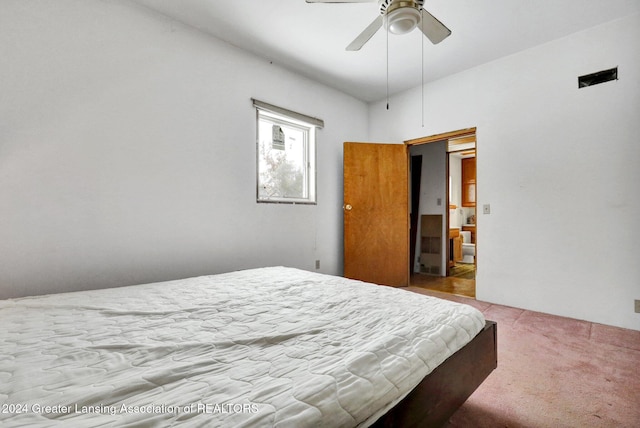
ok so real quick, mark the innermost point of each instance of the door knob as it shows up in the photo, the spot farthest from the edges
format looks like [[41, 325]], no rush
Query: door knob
[[348, 207]]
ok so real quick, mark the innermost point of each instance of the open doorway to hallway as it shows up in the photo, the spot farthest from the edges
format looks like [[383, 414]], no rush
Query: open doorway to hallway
[[447, 189]]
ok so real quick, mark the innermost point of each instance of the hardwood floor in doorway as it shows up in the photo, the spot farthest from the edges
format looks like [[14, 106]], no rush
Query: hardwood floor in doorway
[[450, 284], [463, 270]]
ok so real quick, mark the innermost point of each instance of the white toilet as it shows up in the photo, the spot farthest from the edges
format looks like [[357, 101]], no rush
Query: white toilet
[[468, 248]]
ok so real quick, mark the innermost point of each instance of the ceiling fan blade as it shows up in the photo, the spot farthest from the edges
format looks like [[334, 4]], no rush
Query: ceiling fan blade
[[432, 28], [366, 34]]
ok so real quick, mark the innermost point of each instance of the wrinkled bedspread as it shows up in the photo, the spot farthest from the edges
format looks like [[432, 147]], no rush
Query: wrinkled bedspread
[[261, 347]]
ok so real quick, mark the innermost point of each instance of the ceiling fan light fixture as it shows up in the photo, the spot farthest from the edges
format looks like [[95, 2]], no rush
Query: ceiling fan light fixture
[[403, 20]]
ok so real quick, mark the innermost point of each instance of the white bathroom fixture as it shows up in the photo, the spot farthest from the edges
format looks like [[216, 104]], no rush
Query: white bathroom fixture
[[468, 247]]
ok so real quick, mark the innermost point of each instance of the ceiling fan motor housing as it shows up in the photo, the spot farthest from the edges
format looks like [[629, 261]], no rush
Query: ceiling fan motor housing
[[401, 16]]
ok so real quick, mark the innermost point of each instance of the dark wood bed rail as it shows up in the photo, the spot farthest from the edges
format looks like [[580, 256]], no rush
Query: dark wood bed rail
[[443, 391]]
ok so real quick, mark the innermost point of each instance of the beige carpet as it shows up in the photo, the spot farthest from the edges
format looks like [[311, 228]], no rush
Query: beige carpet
[[554, 372]]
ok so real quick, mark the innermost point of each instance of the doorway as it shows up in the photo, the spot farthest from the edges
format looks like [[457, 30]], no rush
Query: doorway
[[453, 196], [376, 211]]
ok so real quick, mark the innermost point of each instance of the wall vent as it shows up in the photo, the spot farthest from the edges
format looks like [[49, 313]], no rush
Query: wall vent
[[599, 77]]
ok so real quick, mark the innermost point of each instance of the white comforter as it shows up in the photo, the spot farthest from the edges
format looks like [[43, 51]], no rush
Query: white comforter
[[262, 347]]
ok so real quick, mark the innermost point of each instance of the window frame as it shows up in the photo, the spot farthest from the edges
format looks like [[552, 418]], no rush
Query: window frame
[[308, 126]]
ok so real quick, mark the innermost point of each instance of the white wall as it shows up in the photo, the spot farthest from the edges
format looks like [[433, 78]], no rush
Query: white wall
[[433, 188], [127, 155], [558, 165], [127, 152]]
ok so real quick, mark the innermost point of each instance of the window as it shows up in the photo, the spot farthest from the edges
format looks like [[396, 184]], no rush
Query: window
[[286, 155]]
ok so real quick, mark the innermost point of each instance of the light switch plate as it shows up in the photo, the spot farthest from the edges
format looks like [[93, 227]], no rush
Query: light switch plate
[[638, 306], [486, 209]]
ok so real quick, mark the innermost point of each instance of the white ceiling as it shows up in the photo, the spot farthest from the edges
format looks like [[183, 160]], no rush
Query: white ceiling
[[311, 38]]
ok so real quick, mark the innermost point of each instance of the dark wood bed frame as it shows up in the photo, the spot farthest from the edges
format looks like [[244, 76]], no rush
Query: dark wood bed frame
[[444, 390]]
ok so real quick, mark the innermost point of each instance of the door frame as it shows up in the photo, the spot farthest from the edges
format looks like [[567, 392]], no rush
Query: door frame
[[460, 135]]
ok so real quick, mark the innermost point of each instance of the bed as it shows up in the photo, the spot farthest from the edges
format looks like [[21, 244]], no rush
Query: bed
[[255, 348]]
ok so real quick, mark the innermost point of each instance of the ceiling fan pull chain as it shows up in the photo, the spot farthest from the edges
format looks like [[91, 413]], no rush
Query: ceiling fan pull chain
[[387, 65], [422, 59]]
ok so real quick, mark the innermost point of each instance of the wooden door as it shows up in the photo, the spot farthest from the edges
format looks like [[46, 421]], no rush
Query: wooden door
[[376, 213]]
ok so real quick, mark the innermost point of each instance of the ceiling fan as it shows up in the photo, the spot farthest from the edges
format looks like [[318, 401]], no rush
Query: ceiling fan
[[399, 17]]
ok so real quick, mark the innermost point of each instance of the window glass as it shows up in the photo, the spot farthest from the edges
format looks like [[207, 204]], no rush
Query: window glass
[[286, 159]]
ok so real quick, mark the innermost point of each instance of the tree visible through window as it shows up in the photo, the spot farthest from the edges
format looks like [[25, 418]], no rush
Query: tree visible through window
[[286, 159]]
